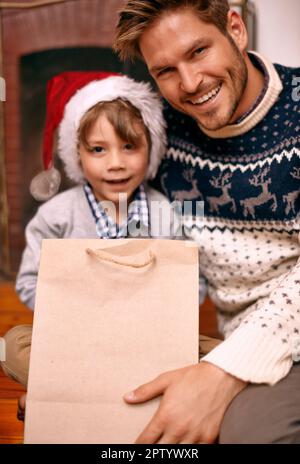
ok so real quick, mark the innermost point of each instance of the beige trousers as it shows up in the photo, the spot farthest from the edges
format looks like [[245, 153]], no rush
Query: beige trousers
[[18, 345]]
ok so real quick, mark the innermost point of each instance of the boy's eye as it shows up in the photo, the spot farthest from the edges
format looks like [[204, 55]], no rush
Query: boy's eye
[[97, 149], [128, 146]]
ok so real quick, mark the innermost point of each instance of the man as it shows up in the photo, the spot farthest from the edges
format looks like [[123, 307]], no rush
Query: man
[[235, 143]]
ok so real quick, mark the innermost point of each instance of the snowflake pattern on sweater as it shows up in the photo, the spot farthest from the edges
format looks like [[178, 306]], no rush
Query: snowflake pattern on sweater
[[248, 239]]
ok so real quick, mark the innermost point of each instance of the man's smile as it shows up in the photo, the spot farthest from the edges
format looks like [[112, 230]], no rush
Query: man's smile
[[205, 98]]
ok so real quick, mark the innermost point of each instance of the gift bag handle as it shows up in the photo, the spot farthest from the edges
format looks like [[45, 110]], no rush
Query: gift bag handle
[[147, 258]]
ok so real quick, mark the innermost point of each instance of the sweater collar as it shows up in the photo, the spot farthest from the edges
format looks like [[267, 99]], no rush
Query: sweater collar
[[269, 96]]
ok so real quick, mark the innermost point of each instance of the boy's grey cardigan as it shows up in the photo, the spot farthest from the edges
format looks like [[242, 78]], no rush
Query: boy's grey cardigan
[[68, 215]]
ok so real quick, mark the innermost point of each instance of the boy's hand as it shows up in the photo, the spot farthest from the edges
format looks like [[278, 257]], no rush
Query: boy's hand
[[21, 407], [194, 402]]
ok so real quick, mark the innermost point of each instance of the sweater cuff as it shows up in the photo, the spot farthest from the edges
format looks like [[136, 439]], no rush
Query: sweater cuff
[[253, 356]]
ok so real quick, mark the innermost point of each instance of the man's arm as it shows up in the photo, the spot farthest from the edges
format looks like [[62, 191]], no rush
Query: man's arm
[[193, 404], [264, 346]]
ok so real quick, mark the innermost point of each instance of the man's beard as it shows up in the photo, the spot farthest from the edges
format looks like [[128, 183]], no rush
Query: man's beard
[[239, 78]]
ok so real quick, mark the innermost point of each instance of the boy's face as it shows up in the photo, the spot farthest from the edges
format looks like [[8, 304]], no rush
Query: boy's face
[[111, 165], [200, 71]]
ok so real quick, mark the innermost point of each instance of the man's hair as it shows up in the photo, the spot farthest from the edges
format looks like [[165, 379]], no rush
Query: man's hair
[[138, 15], [123, 116]]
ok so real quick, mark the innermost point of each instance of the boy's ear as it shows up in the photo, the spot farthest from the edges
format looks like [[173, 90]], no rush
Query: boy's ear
[[237, 30], [79, 157]]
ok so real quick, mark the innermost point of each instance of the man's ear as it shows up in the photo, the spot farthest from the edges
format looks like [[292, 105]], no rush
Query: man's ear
[[237, 30]]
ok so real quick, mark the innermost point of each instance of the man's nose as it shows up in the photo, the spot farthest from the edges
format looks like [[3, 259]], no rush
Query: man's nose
[[190, 79]]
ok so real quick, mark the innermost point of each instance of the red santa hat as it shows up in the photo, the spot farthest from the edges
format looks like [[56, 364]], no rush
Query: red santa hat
[[69, 96]]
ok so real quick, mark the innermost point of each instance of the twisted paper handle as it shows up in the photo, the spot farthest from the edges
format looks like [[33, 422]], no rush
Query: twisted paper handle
[[104, 256]]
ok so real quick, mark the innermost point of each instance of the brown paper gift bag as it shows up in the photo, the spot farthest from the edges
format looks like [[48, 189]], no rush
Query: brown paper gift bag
[[109, 316]]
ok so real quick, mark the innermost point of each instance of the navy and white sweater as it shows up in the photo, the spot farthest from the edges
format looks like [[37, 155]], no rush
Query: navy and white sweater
[[248, 175]]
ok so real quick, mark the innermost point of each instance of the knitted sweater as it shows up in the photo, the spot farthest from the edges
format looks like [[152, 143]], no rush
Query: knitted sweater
[[248, 176], [68, 215]]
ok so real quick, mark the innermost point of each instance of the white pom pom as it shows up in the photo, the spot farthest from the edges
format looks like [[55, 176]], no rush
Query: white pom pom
[[45, 185]]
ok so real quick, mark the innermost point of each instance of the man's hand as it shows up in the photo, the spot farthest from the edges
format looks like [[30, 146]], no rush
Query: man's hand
[[194, 402]]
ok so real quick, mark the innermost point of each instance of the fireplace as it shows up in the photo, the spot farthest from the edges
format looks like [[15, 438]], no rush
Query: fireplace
[[40, 39]]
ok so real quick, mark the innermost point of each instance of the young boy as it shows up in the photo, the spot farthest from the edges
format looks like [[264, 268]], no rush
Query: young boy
[[111, 138]]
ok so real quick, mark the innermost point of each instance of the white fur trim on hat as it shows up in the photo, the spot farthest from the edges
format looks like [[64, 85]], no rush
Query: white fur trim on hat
[[139, 94]]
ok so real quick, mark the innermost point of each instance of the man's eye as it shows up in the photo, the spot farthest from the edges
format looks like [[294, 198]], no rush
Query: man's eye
[[162, 72], [198, 51]]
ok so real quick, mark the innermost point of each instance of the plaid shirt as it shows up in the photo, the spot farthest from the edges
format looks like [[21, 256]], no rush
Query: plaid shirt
[[106, 227]]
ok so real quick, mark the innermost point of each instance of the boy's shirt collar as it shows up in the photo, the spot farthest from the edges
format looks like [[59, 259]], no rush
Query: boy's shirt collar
[[106, 227]]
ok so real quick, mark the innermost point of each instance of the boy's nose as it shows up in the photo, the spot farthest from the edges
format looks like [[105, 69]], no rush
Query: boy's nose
[[116, 160]]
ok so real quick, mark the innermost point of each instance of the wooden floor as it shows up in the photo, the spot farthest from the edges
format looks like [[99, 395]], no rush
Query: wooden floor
[[12, 313]]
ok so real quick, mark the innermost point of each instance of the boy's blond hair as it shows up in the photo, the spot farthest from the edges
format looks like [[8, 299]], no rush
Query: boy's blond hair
[[138, 15], [122, 115]]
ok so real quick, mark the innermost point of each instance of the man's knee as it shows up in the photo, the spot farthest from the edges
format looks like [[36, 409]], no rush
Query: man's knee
[[235, 428], [15, 353], [255, 434], [259, 416]]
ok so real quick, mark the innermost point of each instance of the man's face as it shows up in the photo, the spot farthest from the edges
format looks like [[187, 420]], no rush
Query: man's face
[[200, 71]]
